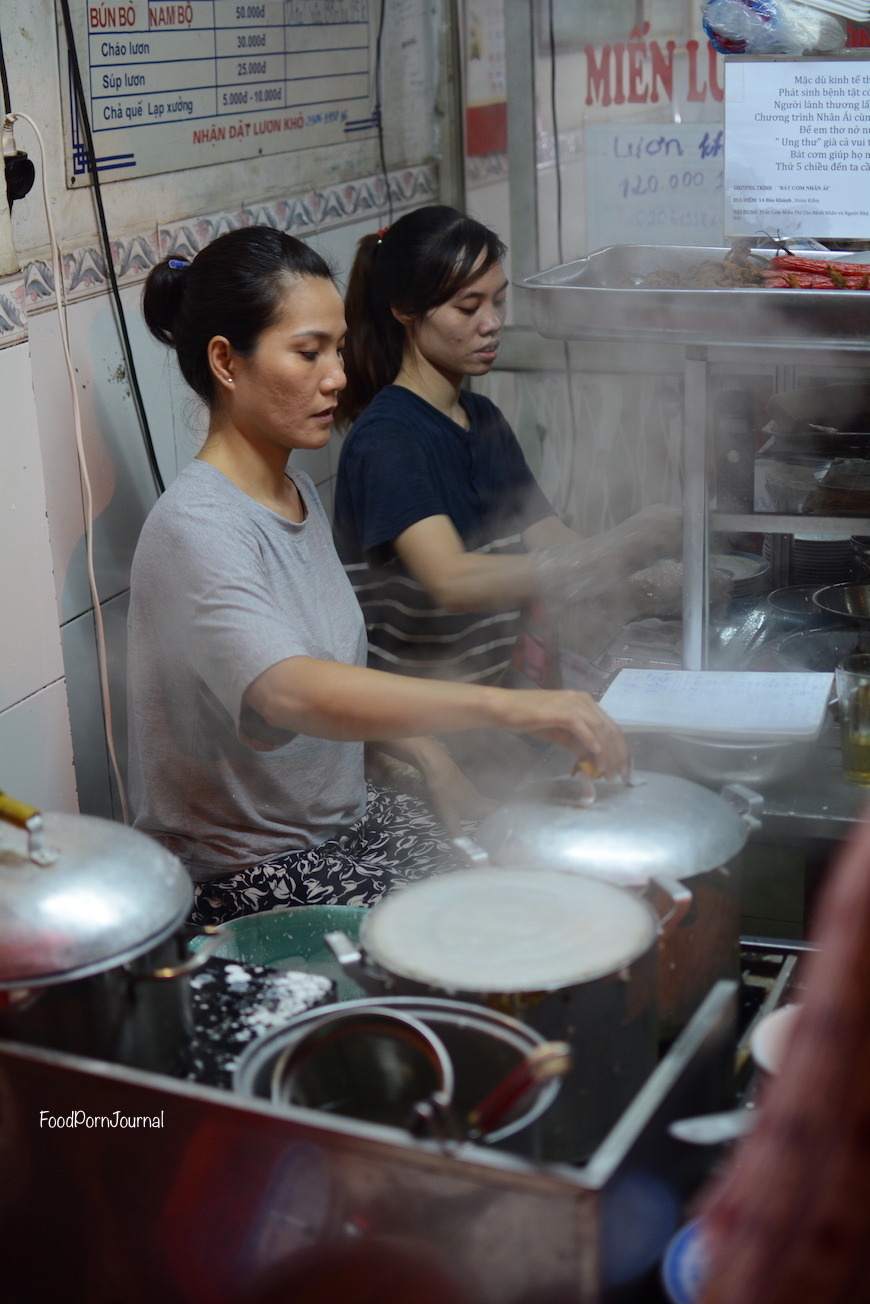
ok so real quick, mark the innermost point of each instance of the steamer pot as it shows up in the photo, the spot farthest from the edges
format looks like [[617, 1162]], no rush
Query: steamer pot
[[573, 957], [93, 958], [643, 837]]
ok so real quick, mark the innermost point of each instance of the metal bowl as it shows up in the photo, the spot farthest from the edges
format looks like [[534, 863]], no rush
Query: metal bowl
[[755, 763], [796, 601], [851, 600], [817, 649]]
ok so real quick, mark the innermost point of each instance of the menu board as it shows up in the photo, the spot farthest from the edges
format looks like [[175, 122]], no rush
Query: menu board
[[175, 86], [654, 183], [797, 147]]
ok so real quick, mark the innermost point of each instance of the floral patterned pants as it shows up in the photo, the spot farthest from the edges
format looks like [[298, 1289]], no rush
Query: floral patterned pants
[[397, 841]]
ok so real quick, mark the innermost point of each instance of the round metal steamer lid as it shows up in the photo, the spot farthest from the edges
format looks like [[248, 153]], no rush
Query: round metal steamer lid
[[664, 825], [503, 930], [111, 894]]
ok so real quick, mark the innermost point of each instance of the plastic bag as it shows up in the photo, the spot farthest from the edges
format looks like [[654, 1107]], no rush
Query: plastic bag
[[771, 27], [658, 590]]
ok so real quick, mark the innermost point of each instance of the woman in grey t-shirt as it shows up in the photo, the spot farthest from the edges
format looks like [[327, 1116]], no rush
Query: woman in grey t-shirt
[[249, 695]]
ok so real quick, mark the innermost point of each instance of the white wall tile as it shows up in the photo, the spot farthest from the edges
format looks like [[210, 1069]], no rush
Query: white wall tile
[[177, 418], [338, 244], [30, 646], [97, 794], [123, 490], [86, 716], [36, 763]]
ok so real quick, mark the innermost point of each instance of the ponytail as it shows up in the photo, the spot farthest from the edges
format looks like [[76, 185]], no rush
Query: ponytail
[[375, 339], [413, 266]]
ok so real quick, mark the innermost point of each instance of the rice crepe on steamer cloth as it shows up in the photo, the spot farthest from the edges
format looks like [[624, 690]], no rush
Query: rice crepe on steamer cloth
[[507, 931]]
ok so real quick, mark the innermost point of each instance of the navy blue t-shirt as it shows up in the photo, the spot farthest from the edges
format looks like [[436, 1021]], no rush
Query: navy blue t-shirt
[[402, 462]]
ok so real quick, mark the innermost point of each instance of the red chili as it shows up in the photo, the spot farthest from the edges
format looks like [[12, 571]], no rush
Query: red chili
[[809, 281], [794, 263]]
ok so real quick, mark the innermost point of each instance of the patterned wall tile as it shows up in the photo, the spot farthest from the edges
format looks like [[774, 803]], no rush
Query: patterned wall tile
[[135, 256], [13, 319], [483, 169], [305, 214], [84, 269], [38, 286], [571, 147]]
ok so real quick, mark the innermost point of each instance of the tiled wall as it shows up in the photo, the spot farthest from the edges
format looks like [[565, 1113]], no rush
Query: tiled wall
[[49, 659], [35, 747]]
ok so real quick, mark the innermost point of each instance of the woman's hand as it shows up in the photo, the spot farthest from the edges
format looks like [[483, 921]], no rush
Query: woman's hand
[[575, 721]]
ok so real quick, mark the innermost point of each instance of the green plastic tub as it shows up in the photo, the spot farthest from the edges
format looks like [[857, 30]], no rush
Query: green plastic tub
[[293, 939]]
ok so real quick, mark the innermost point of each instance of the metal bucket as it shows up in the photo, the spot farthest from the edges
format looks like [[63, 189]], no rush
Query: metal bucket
[[374, 1064], [483, 1047]]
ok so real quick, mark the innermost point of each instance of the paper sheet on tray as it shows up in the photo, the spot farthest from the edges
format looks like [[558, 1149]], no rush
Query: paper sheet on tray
[[719, 703]]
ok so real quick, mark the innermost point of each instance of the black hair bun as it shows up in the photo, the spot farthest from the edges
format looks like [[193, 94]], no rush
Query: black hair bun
[[162, 297]]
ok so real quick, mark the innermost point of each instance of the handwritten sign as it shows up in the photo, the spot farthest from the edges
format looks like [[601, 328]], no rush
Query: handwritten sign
[[174, 86], [654, 183], [798, 147]]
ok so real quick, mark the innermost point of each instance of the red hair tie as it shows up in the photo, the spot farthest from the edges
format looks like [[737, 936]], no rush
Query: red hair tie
[[383, 231]]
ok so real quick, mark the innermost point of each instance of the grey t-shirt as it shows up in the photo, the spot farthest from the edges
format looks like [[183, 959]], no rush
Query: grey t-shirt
[[222, 588]]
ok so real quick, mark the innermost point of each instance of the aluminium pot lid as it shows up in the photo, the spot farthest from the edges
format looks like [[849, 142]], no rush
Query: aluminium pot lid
[[507, 931], [111, 894], [664, 825]]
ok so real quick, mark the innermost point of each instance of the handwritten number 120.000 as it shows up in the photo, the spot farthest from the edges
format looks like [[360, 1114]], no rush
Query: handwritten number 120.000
[[650, 185]]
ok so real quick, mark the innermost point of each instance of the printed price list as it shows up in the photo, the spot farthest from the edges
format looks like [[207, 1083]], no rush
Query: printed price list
[[174, 86]]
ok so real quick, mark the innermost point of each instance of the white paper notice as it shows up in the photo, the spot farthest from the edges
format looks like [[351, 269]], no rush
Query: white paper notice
[[733, 704], [797, 148]]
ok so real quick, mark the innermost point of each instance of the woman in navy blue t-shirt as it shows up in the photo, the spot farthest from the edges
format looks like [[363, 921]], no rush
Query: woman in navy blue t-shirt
[[441, 526], [439, 522]]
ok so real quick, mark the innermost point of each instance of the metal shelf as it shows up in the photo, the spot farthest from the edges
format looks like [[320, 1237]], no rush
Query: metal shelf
[[771, 523]]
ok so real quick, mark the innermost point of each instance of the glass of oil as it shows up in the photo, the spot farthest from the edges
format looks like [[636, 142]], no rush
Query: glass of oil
[[853, 690]]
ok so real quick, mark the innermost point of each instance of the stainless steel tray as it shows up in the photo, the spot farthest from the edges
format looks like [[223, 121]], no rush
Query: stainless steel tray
[[583, 300]]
